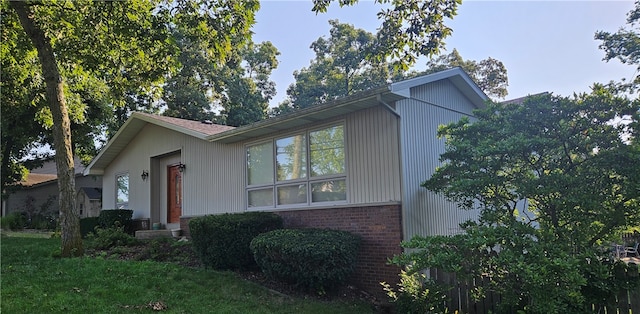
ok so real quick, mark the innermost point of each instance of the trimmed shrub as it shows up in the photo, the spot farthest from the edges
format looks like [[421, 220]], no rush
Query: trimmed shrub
[[314, 259], [109, 217], [88, 225], [222, 241], [13, 221]]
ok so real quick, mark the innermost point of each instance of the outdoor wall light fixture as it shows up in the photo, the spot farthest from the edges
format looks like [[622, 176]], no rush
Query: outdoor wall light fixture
[[144, 175], [181, 167]]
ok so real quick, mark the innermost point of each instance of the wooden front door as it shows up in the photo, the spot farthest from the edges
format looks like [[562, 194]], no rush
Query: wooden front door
[[174, 192]]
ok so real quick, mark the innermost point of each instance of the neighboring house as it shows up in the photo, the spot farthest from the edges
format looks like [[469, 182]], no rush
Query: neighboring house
[[354, 164], [39, 191], [89, 202]]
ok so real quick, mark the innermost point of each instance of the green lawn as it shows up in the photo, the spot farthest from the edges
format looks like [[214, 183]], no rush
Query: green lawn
[[32, 281]]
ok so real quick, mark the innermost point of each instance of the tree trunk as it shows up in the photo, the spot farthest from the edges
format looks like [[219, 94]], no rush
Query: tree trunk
[[69, 221]]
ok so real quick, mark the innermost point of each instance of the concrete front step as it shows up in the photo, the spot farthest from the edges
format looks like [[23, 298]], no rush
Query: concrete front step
[[153, 234]]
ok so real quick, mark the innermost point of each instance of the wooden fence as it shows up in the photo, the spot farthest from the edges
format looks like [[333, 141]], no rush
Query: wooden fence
[[628, 301]]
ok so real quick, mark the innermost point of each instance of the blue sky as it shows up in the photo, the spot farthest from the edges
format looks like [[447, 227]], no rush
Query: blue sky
[[546, 46]]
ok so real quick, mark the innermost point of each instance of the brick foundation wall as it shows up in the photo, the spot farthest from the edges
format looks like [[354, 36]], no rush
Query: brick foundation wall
[[184, 226], [379, 226]]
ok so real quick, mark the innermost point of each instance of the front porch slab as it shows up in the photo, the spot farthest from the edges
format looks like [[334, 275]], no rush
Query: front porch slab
[[153, 234]]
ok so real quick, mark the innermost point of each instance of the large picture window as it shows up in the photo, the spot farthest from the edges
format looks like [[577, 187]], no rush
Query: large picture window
[[301, 169]]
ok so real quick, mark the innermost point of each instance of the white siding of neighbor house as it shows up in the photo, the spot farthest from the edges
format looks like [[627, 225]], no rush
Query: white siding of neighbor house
[[425, 213]]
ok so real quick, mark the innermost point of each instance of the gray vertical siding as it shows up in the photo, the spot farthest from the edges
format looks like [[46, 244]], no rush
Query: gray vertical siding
[[211, 182], [373, 162], [372, 158], [214, 179], [214, 183], [425, 213]]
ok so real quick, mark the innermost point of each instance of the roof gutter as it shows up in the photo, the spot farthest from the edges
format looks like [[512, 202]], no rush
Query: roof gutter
[[386, 106]]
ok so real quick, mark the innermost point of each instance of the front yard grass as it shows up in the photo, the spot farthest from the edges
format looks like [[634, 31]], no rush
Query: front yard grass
[[32, 281]]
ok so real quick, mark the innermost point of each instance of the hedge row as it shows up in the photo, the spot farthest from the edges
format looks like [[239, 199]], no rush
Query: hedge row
[[222, 241]]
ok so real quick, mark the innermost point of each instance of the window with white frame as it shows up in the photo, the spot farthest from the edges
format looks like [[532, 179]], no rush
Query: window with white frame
[[305, 168], [122, 190]]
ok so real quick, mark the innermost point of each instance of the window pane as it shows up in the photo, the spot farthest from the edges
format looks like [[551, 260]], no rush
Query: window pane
[[326, 147], [260, 164], [122, 191], [292, 194], [261, 198], [291, 158], [329, 191]]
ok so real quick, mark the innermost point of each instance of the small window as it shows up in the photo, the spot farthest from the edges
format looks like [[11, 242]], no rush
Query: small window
[[260, 197], [292, 194], [329, 191], [122, 191]]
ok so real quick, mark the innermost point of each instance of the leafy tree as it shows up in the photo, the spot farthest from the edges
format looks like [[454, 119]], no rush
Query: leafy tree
[[339, 69], [410, 28], [624, 45], [574, 162], [20, 101], [490, 74], [125, 45], [246, 88], [185, 93], [240, 84]]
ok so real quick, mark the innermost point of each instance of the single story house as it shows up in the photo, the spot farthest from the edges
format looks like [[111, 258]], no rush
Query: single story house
[[39, 191], [354, 164]]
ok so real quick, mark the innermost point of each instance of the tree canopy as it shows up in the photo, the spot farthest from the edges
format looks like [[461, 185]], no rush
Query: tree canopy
[[409, 29], [342, 67], [624, 44], [555, 179], [122, 49], [575, 161], [490, 74]]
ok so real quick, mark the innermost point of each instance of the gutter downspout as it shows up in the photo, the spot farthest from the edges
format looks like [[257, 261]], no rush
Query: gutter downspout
[[403, 219]]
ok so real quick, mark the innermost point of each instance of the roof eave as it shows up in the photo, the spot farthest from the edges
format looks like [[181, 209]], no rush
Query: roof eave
[[130, 129], [457, 76], [305, 116]]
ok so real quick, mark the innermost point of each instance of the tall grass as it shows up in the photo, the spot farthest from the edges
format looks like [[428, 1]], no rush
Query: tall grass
[[32, 281]]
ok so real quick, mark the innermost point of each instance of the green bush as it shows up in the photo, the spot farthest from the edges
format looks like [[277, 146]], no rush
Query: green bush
[[105, 238], [108, 217], [88, 225], [417, 294], [222, 241], [13, 221], [314, 259]]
